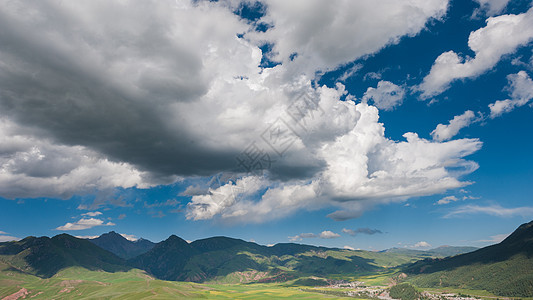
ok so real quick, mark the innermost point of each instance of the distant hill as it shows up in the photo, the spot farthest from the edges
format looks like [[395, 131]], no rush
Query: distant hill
[[505, 269], [234, 260], [44, 257], [442, 251], [122, 247]]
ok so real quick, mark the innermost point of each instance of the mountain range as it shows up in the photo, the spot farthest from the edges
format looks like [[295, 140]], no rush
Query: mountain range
[[212, 259], [503, 269]]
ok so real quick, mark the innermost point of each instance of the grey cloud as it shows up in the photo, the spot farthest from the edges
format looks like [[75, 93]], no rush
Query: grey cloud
[[129, 85], [326, 234], [364, 230], [71, 79], [343, 215]]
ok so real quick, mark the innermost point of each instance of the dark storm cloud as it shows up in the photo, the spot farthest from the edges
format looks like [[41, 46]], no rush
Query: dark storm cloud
[[53, 78]]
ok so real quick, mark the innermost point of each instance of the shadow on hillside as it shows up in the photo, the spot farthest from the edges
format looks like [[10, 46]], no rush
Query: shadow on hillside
[[485, 256]]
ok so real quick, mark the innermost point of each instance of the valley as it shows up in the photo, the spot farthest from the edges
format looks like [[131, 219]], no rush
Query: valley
[[66, 267]]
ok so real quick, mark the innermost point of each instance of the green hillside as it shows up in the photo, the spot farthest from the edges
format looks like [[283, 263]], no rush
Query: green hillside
[[217, 259], [80, 283], [228, 260], [45, 256], [167, 259], [504, 269]]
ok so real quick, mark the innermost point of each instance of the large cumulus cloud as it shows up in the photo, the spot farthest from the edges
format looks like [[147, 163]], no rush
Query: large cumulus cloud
[[145, 93]]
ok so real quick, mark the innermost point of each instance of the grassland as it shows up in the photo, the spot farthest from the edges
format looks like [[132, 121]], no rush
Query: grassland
[[79, 283]]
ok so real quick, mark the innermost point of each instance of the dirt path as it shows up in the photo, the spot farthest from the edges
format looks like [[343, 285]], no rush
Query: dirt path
[[21, 293]]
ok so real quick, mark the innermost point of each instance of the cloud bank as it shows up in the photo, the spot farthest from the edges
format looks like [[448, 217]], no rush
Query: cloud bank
[[159, 91]]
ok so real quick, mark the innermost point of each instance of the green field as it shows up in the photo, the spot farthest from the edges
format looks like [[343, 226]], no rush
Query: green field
[[79, 283]]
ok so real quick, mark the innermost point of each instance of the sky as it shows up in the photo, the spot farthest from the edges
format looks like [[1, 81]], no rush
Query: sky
[[357, 124]]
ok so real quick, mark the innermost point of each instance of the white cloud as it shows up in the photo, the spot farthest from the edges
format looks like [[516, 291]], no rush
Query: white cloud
[[129, 237], [4, 237], [493, 210], [446, 132], [386, 95], [348, 248], [447, 200], [327, 34], [86, 237], [363, 169], [521, 87], [372, 75], [84, 224], [502, 35], [421, 244], [7, 238], [495, 239], [349, 231], [493, 7], [327, 234], [32, 166], [350, 72], [301, 236], [92, 214]]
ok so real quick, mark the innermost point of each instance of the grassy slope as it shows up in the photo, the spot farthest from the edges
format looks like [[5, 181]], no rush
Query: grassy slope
[[504, 269], [511, 277], [335, 264], [79, 283]]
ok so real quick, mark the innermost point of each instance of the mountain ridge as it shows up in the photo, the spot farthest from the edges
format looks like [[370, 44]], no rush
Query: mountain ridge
[[221, 259], [504, 269]]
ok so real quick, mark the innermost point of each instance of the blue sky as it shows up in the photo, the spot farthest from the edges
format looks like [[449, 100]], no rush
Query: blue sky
[[406, 124]]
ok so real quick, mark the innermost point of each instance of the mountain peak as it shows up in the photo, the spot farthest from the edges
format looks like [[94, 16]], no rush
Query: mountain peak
[[175, 239], [112, 233], [523, 234], [120, 246]]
